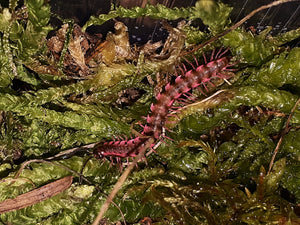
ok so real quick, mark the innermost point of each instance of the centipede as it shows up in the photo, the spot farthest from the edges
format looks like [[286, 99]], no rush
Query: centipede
[[196, 77]]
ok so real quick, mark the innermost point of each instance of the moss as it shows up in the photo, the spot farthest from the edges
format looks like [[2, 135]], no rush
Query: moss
[[213, 172]]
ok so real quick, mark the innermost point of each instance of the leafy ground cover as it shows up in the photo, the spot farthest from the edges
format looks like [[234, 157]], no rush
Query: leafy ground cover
[[234, 158]]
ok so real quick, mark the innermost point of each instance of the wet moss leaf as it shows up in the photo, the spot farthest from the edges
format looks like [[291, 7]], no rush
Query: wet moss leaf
[[63, 92], [282, 70], [249, 48], [273, 179]]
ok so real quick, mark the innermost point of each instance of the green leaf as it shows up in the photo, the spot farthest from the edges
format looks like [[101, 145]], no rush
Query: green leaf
[[250, 49], [282, 70]]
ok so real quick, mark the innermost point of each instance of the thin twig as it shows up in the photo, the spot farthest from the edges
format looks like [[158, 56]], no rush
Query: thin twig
[[121, 181], [71, 151], [52, 163], [237, 24], [281, 138]]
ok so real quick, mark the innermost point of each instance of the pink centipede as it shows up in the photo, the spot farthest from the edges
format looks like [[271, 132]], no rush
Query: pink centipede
[[160, 111]]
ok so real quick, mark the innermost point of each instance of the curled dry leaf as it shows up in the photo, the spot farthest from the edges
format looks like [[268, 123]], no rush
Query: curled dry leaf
[[115, 48], [77, 53], [56, 43], [74, 59], [121, 39], [37, 195]]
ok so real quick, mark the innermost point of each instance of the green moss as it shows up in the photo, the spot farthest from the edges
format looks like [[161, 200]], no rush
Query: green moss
[[187, 180], [282, 70]]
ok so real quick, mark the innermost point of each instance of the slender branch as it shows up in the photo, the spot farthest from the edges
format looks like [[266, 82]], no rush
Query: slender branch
[[71, 151]]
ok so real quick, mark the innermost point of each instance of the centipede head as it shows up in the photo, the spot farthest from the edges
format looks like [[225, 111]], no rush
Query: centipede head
[[98, 154]]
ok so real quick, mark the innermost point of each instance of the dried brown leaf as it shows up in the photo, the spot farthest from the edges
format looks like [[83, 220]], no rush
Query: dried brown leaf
[[117, 46], [77, 53], [37, 195]]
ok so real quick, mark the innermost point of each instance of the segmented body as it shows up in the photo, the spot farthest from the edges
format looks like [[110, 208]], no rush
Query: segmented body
[[161, 109]]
